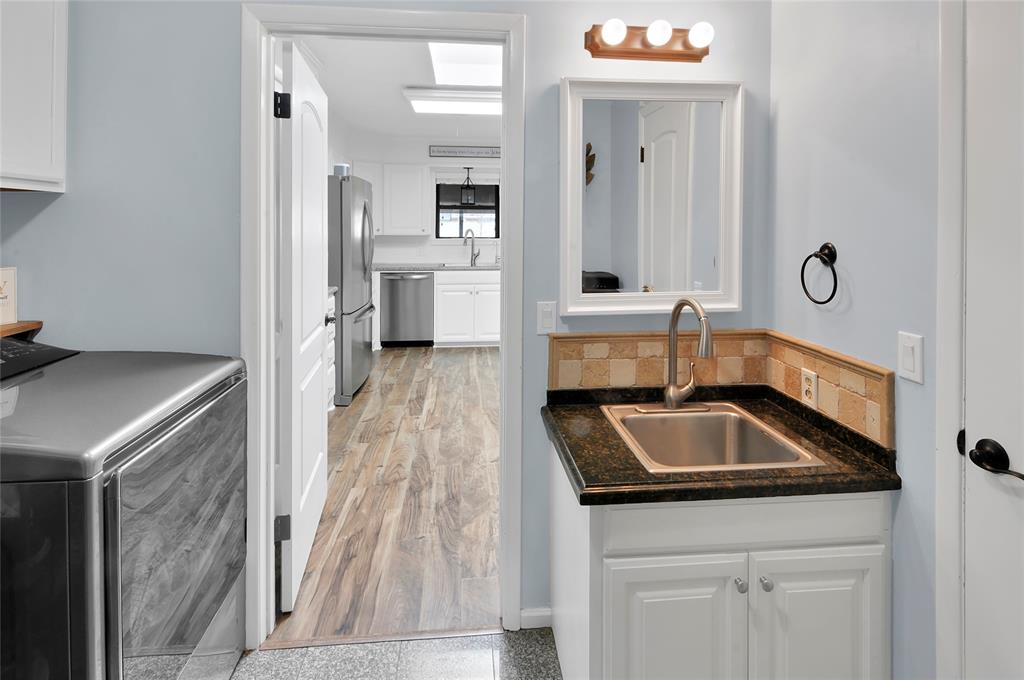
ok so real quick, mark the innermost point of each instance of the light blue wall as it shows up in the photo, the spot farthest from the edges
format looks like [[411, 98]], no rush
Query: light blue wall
[[142, 252], [855, 132]]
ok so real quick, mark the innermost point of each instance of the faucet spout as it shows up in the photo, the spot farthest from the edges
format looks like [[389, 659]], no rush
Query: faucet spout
[[676, 394], [473, 252]]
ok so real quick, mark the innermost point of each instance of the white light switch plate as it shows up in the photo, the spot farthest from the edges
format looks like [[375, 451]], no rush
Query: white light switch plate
[[546, 317], [910, 357], [809, 387]]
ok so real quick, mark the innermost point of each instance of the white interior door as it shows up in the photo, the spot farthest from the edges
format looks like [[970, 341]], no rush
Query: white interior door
[[664, 210], [994, 503], [301, 484]]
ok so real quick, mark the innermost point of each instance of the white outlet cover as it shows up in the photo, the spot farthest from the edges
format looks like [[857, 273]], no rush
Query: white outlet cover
[[546, 312], [910, 357], [809, 387]]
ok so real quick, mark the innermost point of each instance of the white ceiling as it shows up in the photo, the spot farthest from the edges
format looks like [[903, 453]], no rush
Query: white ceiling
[[364, 81]]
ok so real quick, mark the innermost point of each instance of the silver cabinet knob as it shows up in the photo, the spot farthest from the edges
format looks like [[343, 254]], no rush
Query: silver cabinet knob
[[741, 585], [767, 585]]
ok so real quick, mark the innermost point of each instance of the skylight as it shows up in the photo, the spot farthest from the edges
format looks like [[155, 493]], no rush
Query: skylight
[[466, 64], [475, 102]]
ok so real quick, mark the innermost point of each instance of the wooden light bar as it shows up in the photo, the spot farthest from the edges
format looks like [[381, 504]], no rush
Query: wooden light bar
[[635, 46]]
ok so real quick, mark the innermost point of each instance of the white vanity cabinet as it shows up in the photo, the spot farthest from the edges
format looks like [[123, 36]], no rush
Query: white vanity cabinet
[[33, 94], [467, 307], [780, 588]]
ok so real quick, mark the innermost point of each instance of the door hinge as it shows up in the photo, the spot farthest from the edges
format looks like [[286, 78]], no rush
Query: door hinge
[[282, 105], [961, 442], [641, 154], [282, 528]]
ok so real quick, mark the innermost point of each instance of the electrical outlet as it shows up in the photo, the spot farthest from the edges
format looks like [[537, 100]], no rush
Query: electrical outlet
[[546, 317], [809, 387]]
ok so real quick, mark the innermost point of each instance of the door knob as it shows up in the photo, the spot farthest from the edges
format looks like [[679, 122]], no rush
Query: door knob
[[988, 454], [741, 585], [767, 585], [329, 319]]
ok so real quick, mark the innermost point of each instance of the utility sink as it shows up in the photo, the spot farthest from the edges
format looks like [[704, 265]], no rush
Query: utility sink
[[703, 436]]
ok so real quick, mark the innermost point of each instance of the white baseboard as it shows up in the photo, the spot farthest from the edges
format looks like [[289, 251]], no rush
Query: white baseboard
[[538, 617]]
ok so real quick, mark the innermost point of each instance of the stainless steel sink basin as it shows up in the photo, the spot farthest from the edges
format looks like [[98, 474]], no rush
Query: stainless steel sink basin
[[703, 436]]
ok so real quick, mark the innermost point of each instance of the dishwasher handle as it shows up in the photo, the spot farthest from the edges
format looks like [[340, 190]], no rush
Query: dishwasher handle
[[405, 277]]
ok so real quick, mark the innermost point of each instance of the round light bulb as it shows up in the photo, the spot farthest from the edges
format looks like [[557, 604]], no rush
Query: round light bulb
[[701, 34], [659, 32], [613, 31]]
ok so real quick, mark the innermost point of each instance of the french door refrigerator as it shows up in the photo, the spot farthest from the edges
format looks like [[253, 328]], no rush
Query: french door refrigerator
[[350, 268]]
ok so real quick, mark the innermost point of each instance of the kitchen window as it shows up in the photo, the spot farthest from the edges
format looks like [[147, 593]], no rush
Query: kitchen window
[[454, 217]]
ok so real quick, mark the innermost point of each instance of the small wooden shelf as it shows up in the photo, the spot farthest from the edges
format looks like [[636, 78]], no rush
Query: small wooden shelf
[[26, 328]]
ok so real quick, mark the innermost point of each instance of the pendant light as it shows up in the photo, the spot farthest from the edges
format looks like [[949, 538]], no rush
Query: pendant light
[[468, 190]]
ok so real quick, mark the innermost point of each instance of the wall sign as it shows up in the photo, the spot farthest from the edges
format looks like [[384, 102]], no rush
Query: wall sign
[[442, 151]]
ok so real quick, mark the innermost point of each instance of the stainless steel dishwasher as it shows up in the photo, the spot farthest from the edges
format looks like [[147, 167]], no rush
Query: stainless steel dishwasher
[[407, 308]]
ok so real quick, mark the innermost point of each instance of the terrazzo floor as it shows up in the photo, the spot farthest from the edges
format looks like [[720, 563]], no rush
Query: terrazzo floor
[[520, 655]]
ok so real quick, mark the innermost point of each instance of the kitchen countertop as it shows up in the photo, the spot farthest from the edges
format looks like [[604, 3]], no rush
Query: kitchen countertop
[[604, 471], [435, 267]]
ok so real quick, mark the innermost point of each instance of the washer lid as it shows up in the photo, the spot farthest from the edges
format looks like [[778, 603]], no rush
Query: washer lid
[[60, 422]]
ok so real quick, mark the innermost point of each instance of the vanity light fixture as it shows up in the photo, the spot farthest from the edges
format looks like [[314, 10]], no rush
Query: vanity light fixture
[[657, 42]]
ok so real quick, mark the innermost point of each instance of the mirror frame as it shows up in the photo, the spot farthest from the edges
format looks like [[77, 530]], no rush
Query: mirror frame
[[573, 302]]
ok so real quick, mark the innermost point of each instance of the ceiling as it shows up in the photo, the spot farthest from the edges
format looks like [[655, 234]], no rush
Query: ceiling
[[364, 80]]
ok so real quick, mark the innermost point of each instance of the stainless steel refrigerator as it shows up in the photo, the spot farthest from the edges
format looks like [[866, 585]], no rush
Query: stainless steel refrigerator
[[350, 268]]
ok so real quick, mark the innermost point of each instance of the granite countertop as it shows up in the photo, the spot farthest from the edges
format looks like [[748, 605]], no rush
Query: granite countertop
[[604, 471], [434, 267]]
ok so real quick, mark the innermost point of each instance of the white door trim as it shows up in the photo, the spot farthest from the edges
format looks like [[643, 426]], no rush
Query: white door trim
[[258, 23], [949, 348]]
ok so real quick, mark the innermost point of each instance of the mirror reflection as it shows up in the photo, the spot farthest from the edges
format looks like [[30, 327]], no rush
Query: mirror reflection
[[651, 195]]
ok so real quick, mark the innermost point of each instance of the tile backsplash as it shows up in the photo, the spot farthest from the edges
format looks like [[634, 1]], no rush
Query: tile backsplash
[[856, 393]]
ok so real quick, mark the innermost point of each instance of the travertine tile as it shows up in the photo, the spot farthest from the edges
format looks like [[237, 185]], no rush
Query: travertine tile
[[730, 370], [595, 350], [650, 349], [792, 357], [622, 349], [852, 381], [827, 370], [570, 373], [828, 398], [651, 371], [754, 369], [792, 385], [873, 420], [570, 350], [706, 370], [776, 374], [852, 409], [729, 348], [595, 373], [873, 389], [622, 372], [755, 348]]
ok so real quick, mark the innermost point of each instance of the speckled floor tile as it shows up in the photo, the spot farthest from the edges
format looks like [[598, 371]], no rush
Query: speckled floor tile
[[527, 654], [163, 667], [281, 664], [371, 661], [458, 658]]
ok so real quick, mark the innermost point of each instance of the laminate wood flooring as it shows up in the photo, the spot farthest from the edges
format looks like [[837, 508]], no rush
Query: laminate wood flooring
[[407, 543]]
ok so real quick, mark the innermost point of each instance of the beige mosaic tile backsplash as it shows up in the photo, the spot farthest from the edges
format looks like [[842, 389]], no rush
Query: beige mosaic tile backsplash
[[856, 393]]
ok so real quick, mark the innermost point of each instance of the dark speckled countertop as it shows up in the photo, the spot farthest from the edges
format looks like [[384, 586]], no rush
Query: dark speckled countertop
[[604, 471]]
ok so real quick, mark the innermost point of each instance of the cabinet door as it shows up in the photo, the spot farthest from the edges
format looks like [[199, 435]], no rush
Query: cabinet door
[[405, 200], [33, 94], [488, 312], [819, 613], [454, 312], [675, 617], [374, 174]]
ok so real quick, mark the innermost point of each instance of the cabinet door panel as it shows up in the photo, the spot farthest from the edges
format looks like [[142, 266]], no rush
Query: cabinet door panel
[[488, 312], [405, 200], [820, 613], [675, 617], [454, 312], [374, 174]]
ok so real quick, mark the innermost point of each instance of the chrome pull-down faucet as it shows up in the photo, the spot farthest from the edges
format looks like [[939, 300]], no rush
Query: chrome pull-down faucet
[[676, 394], [473, 252]]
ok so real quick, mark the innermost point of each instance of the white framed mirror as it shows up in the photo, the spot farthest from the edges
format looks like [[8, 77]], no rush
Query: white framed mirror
[[651, 195]]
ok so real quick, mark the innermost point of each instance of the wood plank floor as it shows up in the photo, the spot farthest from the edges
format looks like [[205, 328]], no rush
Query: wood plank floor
[[407, 543]]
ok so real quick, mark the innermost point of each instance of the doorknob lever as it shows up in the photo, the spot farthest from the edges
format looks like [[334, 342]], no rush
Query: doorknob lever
[[988, 454]]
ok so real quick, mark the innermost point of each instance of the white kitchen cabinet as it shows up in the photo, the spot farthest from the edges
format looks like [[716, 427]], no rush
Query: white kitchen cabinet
[[650, 590], [374, 174], [33, 94], [405, 200], [680, 617], [467, 307], [454, 312], [818, 613]]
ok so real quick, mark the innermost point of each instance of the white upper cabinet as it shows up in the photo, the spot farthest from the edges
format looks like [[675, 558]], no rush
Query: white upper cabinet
[[405, 200], [33, 94]]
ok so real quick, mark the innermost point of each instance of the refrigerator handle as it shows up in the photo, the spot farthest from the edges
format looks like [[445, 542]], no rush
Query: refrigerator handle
[[367, 240], [366, 313]]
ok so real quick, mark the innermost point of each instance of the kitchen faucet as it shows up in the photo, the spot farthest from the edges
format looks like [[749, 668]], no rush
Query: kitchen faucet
[[676, 394], [473, 252]]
